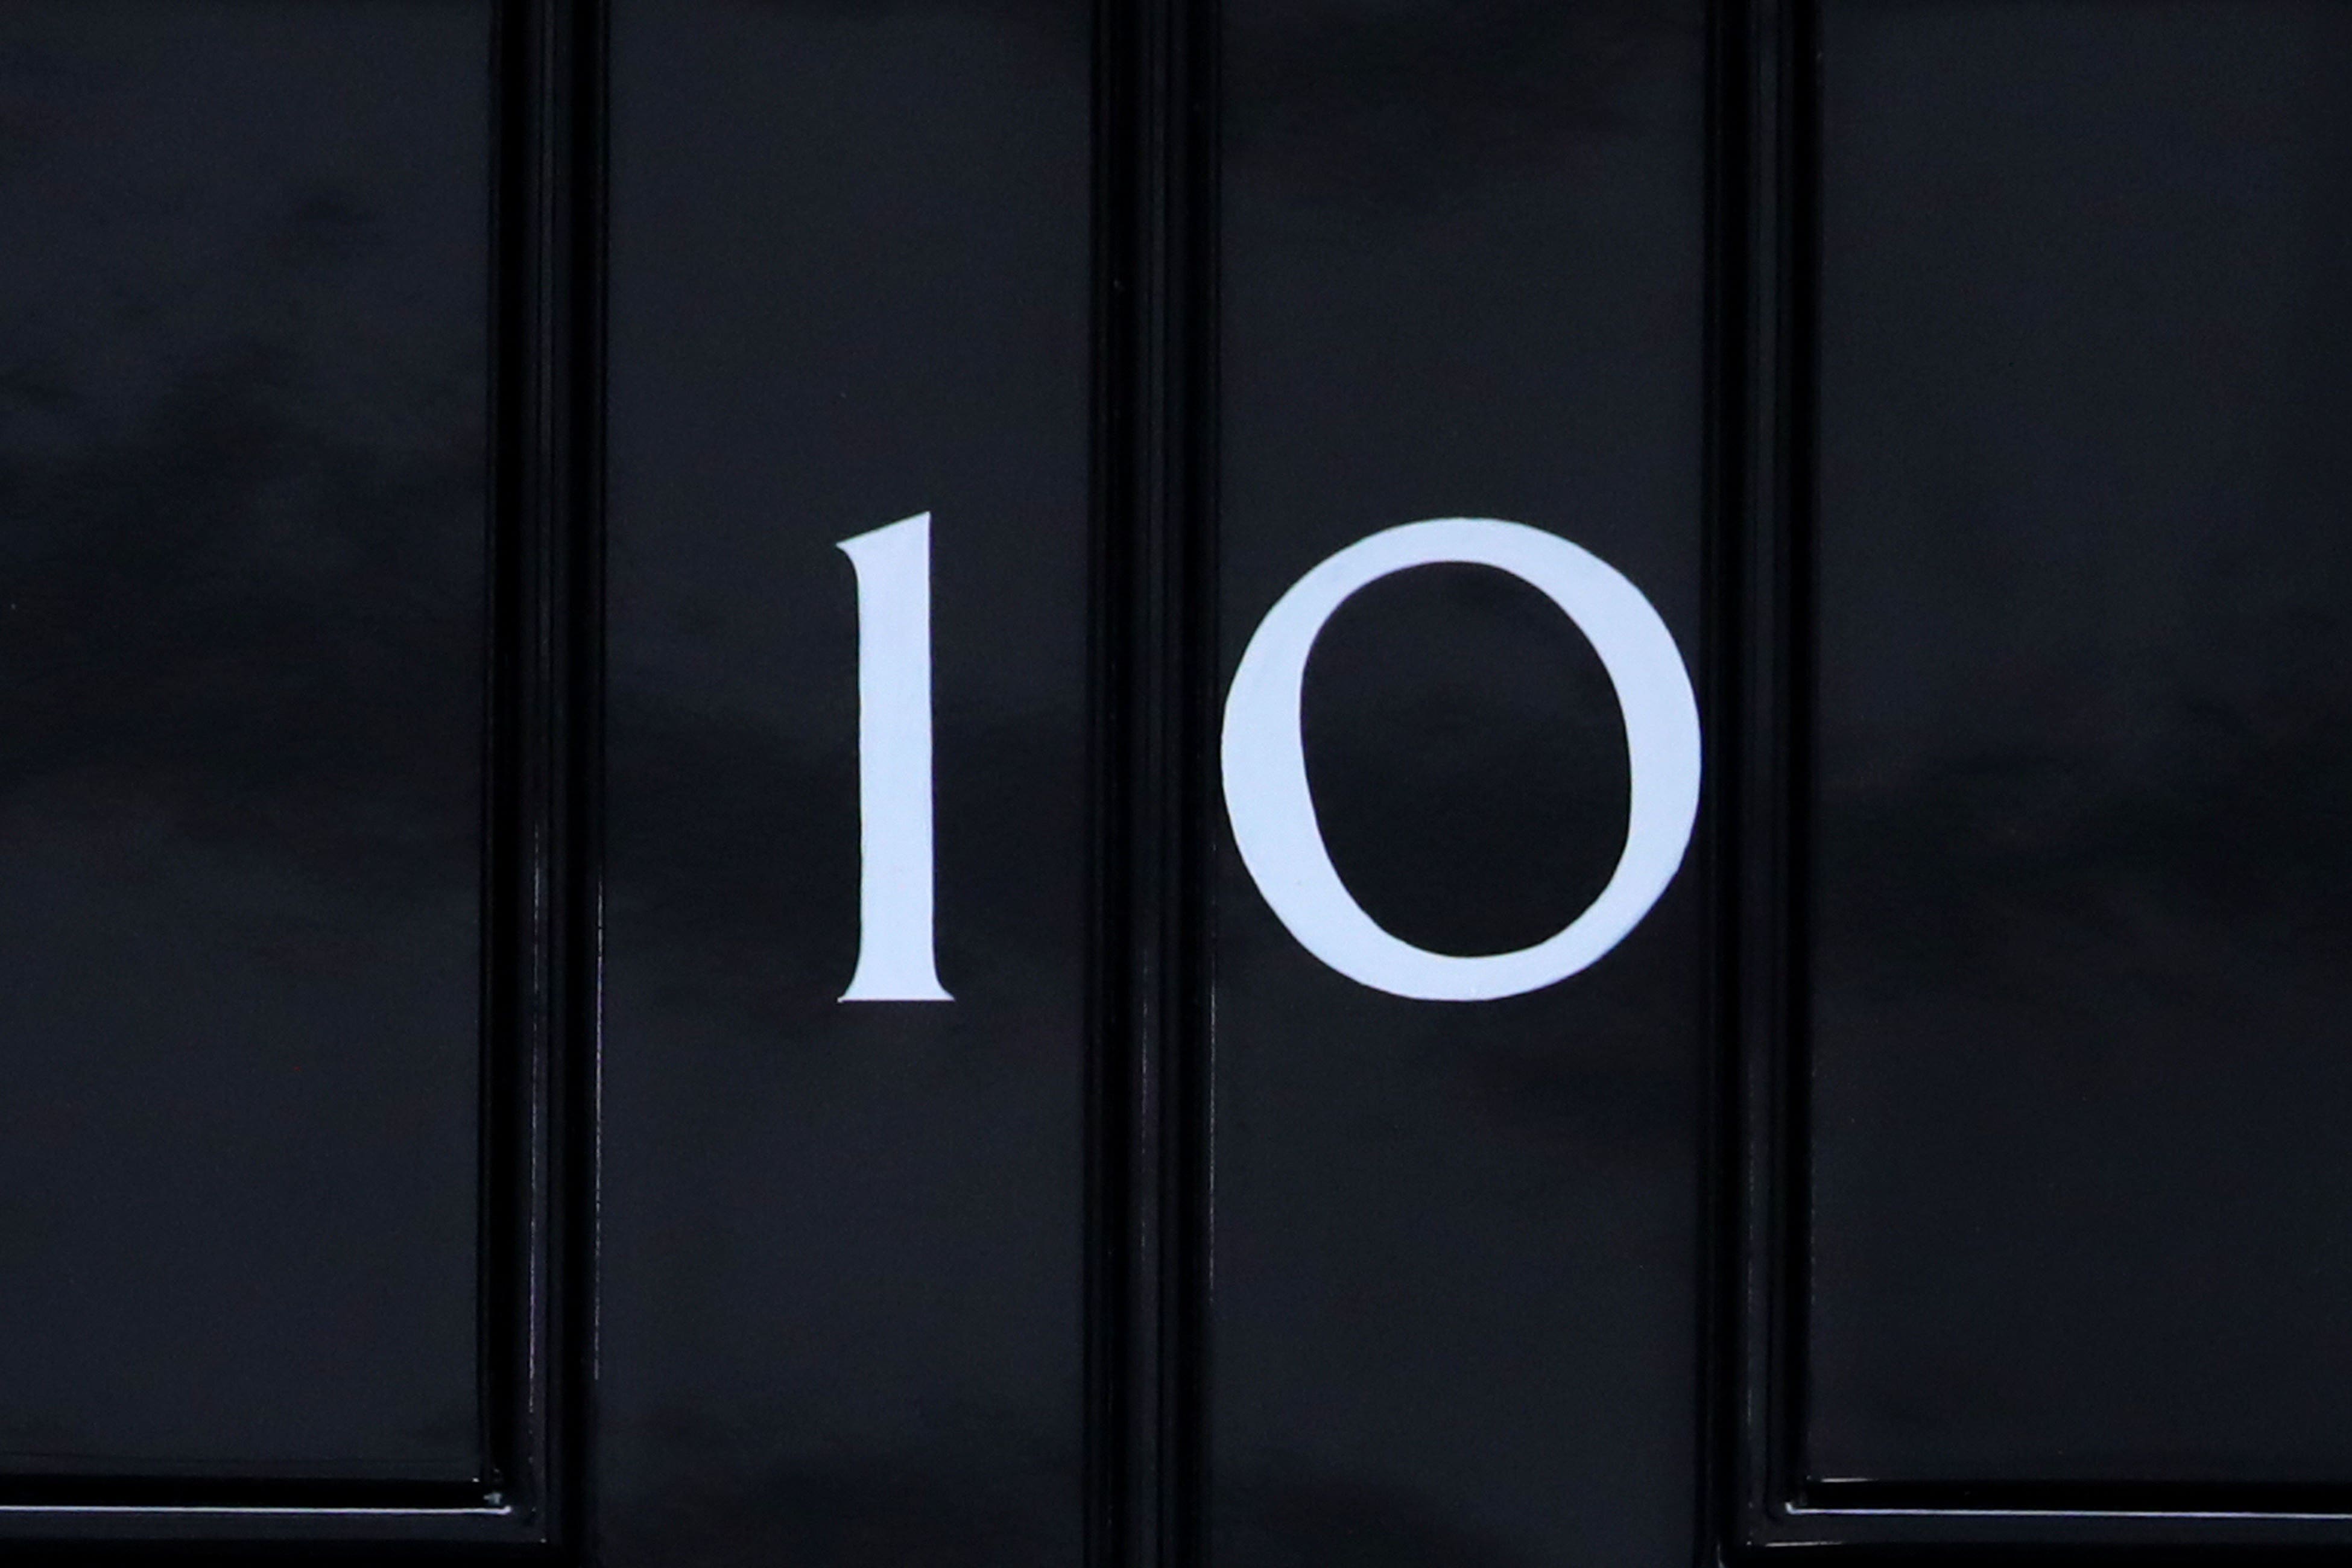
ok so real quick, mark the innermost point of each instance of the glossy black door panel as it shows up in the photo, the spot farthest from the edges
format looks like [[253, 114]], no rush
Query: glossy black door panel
[[656, 903], [1456, 1293], [2077, 1196], [849, 285], [244, 455]]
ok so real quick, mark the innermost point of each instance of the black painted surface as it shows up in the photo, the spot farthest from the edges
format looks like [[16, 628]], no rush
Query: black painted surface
[[1456, 1309], [244, 343], [2070, 845], [850, 283], [2082, 1199]]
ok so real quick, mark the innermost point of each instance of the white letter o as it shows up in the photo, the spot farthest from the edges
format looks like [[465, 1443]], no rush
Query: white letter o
[[1273, 811]]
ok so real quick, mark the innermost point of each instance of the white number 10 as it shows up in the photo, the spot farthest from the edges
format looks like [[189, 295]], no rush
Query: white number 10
[[1266, 795]]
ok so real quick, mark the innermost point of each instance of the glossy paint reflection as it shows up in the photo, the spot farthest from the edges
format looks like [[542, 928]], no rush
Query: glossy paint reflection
[[842, 1239], [1456, 1311], [243, 358], [2082, 1201]]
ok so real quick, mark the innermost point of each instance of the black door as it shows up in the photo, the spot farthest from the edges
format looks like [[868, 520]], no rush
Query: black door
[[1121, 781]]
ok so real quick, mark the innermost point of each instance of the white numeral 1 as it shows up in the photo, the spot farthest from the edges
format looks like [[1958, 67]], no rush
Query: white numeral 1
[[894, 960]]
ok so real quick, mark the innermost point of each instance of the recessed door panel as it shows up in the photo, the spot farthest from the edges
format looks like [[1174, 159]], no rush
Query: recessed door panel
[[245, 344], [2080, 1198], [843, 1206], [1455, 1303]]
